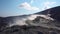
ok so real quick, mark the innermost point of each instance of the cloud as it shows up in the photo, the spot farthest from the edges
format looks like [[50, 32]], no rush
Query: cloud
[[27, 6], [48, 4], [32, 1]]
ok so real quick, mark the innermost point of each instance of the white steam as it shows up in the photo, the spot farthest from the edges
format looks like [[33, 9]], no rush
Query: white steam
[[22, 21]]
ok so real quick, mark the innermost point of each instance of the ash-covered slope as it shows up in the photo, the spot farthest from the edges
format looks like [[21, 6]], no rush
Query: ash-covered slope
[[38, 23]]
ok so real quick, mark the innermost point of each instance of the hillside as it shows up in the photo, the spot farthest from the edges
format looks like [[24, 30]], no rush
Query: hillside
[[38, 23]]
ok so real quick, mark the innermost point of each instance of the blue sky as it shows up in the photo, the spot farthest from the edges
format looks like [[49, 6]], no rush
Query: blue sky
[[22, 7]]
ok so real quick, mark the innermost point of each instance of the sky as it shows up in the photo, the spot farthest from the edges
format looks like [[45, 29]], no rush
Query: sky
[[23, 7]]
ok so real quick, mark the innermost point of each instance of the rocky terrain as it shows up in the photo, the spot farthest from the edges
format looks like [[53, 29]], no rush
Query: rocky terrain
[[38, 23]]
